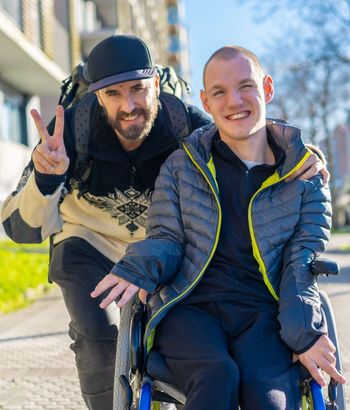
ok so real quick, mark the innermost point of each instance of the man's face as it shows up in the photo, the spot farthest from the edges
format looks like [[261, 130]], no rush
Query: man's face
[[236, 94], [131, 107]]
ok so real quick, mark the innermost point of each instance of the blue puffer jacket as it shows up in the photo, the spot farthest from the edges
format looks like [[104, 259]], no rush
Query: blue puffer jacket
[[289, 225]]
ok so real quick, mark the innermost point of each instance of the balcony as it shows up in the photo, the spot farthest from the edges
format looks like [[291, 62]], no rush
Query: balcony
[[24, 66], [89, 39]]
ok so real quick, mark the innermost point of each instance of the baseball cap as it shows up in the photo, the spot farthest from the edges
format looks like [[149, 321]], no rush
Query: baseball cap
[[117, 59]]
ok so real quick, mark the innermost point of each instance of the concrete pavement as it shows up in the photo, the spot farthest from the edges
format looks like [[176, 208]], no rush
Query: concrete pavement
[[37, 369], [338, 290]]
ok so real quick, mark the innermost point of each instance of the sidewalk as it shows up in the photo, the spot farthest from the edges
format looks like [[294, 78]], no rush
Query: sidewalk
[[37, 369], [36, 365], [338, 290]]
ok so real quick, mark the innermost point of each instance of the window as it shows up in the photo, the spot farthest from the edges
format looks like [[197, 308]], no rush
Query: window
[[35, 15], [173, 15], [12, 113], [13, 9], [174, 44]]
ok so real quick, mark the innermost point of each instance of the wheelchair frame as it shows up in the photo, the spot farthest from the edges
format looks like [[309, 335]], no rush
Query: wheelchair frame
[[135, 390]]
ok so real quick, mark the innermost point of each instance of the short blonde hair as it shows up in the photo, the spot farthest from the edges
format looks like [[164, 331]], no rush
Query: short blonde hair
[[229, 52]]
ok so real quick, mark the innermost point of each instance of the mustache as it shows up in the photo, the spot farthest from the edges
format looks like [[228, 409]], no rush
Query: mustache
[[122, 115]]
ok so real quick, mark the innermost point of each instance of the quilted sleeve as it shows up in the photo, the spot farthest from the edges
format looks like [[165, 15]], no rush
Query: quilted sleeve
[[300, 314]]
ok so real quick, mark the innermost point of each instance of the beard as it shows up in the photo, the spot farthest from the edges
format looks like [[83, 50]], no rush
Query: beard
[[135, 132]]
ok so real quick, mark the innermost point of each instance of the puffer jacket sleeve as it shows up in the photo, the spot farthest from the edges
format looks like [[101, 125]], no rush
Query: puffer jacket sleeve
[[155, 260], [300, 315]]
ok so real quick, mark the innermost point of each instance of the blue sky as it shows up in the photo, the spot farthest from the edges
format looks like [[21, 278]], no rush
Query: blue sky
[[212, 24]]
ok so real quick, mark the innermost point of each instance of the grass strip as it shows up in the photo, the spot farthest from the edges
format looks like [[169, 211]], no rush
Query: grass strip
[[23, 274]]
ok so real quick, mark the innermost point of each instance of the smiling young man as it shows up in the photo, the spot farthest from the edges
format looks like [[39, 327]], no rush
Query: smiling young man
[[228, 252], [238, 104]]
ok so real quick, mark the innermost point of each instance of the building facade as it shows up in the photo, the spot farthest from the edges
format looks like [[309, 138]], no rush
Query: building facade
[[178, 46], [42, 40], [341, 171]]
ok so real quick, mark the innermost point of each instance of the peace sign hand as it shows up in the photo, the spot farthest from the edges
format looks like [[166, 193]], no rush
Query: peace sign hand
[[50, 156]]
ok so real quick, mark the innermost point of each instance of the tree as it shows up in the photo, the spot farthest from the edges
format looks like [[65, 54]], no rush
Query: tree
[[310, 61]]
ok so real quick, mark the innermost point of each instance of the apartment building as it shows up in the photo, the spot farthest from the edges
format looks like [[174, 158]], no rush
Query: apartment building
[[42, 40], [341, 170], [178, 47]]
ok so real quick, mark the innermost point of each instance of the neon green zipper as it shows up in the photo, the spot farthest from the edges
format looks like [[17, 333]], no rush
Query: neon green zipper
[[273, 179], [149, 341]]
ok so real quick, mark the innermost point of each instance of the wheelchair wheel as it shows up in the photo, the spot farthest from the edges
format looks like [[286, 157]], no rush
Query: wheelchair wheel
[[121, 401], [332, 334]]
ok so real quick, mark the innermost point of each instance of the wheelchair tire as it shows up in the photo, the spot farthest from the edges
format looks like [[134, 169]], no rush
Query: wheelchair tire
[[122, 364], [332, 334]]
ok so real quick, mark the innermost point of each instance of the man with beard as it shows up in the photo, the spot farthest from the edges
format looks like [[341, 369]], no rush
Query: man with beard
[[92, 223]]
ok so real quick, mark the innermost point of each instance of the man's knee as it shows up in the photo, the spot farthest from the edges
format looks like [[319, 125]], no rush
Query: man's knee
[[271, 393], [95, 361], [92, 349]]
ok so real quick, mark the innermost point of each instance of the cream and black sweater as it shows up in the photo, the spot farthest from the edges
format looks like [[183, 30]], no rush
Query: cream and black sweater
[[111, 211]]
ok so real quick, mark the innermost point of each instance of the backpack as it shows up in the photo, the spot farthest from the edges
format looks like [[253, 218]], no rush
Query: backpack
[[74, 91]]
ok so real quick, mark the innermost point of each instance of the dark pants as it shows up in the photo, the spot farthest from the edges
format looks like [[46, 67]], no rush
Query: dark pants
[[224, 355], [77, 267]]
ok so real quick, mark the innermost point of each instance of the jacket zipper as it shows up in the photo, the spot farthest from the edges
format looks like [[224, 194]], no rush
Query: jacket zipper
[[245, 187], [147, 342], [272, 180]]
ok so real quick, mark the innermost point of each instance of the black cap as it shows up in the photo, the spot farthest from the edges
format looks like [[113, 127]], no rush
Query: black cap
[[117, 59]]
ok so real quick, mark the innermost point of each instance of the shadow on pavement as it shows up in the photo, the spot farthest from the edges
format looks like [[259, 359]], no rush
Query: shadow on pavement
[[11, 339]]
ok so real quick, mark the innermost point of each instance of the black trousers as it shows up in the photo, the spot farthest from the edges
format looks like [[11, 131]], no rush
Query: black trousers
[[77, 267], [224, 355]]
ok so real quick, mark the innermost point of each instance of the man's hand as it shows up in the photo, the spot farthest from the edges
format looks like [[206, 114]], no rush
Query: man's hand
[[312, 166], [143, 294], [321, 356], [120, 288], [50, 157]]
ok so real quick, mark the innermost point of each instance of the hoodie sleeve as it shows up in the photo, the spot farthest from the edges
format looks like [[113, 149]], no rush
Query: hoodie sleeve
[[30, 214], [156, 260], [300, 314]]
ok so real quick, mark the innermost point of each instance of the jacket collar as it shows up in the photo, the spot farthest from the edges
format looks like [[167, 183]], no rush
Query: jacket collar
[[284, 135], [290, 140]]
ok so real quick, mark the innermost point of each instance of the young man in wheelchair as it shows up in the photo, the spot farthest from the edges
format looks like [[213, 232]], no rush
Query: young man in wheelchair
[[228, 252]]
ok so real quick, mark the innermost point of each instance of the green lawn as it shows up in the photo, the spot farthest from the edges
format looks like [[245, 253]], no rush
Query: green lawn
[[23, 274], [342, 229]]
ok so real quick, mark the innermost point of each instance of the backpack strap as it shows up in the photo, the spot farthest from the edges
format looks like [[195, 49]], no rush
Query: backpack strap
[[85, 110], [177, 113]]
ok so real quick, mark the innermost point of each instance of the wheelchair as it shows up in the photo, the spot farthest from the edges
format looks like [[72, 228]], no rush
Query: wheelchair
[[144, 384]]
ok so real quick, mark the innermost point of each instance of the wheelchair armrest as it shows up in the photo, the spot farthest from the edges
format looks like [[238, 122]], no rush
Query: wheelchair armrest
[[323, 266]]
